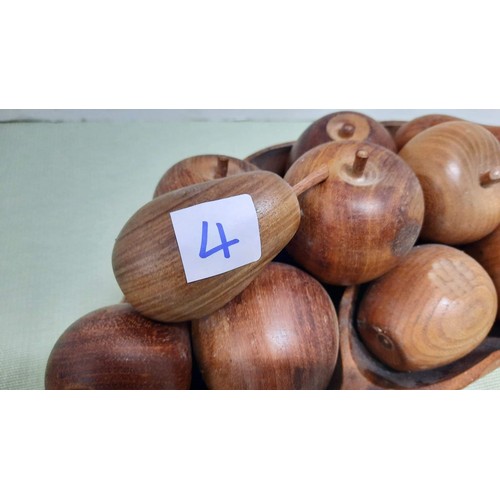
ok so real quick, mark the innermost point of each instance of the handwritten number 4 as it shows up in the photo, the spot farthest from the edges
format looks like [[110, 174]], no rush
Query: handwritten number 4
[[224, 246]]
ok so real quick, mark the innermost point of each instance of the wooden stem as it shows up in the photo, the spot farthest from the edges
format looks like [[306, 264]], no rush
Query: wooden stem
[[222, 167], [313, 179], [347, 131], [359, 165], [490, 177]]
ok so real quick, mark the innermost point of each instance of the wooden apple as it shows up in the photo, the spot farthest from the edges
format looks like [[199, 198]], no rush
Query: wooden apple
[[198, 169], [148, 264], [410, 129], [487, 253], [280, 333], [340, 127], [458, 166], [363, 219], [435, 307], [116, 348]]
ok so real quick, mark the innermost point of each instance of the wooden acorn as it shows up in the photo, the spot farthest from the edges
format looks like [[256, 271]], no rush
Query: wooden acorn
[[409, 130], [273, 158], [117, 348], [340, 127], [487, 253], [458, 166], [147, 262], [363, 219], [434, 308], [280, 333], [198, 169]]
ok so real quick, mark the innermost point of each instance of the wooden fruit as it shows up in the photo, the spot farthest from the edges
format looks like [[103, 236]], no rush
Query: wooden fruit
[[358, 369], [116, 348], [273, 159], [363, 219], [458, 166], [146, 258], [198, 169], [280, 333], [340, 127], [434, 308], [487, 253], [409, 130]]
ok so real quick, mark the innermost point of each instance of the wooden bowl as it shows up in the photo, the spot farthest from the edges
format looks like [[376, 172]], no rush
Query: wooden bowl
[[358, 369], [273, 159]]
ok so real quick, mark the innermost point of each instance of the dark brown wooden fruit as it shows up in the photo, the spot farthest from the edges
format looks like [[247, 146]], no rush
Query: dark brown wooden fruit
[[487, 253], [458, 166], [198, 169], [273, 159], [340, 127], [409, 130], [434, 308], [146, 258], [117, 348], [280, 333], [363, 219], [358, 369]]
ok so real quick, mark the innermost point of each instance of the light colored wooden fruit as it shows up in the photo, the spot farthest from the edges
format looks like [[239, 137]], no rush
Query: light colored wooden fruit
[[458, 166], [116, 348], [487, 253], [434, 308], [280, 333], [363, 219], [146, 258], [198, 169]]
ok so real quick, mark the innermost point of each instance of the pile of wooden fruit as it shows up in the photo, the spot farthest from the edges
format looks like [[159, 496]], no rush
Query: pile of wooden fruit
[[233, 275]]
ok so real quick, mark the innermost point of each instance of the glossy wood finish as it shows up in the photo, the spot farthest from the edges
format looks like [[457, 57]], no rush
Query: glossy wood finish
[[273, 159], [146, 259], [408, 131], [280, 333], [340, 127], [450, 161], [434, 308], [487, 253], [356, 225], [357, 369], [198, 169], [116, 348]]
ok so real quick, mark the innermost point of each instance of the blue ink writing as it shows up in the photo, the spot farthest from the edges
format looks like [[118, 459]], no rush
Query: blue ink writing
[[224, 246]]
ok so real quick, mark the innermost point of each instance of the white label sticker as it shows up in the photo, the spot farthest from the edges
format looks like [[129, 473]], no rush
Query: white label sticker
[[217, 236]]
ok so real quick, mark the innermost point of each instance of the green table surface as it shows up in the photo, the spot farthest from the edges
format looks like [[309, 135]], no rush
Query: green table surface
[[66, 190]]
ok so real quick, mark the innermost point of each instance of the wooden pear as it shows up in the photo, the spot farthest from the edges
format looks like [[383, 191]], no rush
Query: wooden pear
[[198, 169], [340, 127], [435, 307], [487, 253], [363, 219], [280, 333], [458, 166], [117, 348], [146, 258], [407, 131]]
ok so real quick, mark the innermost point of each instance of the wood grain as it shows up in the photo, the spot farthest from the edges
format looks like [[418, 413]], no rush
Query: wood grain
[[487, 253], [355, 227], [434, 308], [273, 158], [409, 130], [116, 348], [198, 169], [146, 259], [280, 333], [392, 126], [339, 127], [450, 160]]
